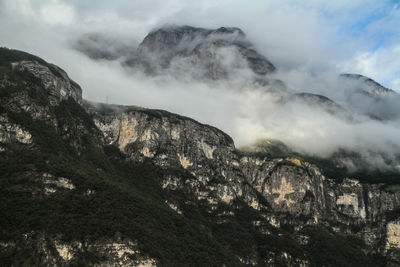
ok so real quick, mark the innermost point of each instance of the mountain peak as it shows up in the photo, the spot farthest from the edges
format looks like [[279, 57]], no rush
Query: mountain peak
[[370, 87], [51, 77], [208, 51]]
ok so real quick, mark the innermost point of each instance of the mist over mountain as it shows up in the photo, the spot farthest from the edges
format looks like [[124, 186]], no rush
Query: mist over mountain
[[98, 46], [309, 49], [313, 114], [370, 98]]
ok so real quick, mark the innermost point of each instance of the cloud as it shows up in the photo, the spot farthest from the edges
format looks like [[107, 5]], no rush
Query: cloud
[[57, 13], [313, 34], [382, 64], [52, 12], [247, 113]]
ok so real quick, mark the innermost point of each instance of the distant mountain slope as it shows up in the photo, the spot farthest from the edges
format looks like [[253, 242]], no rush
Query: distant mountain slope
[[324, 103], [98, 46], [369, 86], [182, 50], [211, 53], [368, 97]]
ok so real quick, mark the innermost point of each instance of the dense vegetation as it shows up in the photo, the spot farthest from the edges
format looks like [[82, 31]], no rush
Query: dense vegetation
[[127, 198]]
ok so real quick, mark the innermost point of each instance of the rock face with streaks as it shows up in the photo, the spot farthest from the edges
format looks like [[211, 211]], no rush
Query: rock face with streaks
[[286, 191], [225, 54], [117, 252], [55, 81], [175, 141], [10, 132]]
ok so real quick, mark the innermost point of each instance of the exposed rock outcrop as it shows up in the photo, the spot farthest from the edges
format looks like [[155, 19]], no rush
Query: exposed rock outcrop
[[55, 81], [287, 191]]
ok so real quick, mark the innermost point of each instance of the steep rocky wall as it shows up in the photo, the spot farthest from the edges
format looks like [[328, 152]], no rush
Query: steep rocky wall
[[55, 81], [286, 191], [26, 99], [170, 140]]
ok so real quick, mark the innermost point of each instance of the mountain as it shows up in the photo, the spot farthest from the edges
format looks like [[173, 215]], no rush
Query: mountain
[[368, 97], [211, 54], [100, 47], [94, 184], [369, 86], [324, 103], [193, 54]]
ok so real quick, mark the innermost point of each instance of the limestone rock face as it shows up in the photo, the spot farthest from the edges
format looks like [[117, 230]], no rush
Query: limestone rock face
[[284, 190], [174, 141], [10, 131], [117, 251], [55, 81]]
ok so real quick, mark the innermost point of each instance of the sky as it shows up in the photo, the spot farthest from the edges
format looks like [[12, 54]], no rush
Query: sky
[[309, 41]]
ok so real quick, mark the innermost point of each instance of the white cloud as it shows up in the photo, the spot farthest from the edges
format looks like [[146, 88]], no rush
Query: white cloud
[[382, 65], [24, 7], [52, 12], [57, 13]]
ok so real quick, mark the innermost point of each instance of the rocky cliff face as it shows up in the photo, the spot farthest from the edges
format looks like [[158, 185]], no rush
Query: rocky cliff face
[[38, 105], [47, 83], [111, 185], [286, 191], [56, 82]]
